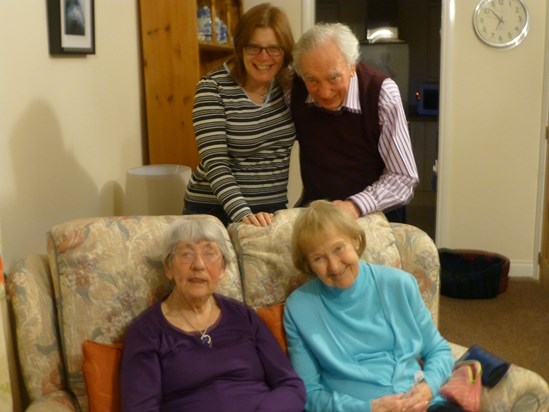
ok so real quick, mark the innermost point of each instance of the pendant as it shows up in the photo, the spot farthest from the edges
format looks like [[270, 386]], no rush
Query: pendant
[[206, 339]]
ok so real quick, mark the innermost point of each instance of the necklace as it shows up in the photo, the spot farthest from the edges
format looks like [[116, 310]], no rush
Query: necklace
[[262, 95], [204, 337]]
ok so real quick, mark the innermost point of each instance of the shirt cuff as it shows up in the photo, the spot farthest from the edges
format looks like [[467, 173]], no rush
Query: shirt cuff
[[240, 214], [364, 202]]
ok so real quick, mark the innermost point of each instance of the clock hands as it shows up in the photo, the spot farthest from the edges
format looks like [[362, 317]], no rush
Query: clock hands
[[500, 19]]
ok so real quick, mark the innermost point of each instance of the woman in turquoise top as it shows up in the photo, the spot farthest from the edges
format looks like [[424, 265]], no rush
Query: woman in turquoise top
[[356, 332]]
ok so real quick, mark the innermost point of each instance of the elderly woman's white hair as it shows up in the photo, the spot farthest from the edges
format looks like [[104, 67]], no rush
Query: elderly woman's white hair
[[320, 34], [192, 230]]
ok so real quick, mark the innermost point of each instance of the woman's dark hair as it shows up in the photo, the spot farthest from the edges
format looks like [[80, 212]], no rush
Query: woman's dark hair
[[263, 15]]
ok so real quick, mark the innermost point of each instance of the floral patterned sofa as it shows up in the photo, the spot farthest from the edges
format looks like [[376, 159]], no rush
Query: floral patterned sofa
[[102, 272]]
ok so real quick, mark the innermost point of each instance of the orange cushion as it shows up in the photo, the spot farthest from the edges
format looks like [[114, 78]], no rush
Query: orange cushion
[[101, 372], [272, 315]]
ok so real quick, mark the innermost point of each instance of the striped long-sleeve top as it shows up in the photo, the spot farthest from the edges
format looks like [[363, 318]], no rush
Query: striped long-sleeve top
[[244, 147]]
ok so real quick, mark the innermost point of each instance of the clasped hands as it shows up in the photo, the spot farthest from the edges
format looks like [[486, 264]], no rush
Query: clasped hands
[[415, 400]]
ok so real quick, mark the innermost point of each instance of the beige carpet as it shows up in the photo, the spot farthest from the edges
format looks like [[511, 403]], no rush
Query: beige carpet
[[514, 325]]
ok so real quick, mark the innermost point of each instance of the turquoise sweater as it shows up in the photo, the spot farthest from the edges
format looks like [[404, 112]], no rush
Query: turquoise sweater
[[353, 345]]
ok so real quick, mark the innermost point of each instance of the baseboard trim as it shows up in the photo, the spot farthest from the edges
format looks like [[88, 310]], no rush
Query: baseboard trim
[[523, 269]]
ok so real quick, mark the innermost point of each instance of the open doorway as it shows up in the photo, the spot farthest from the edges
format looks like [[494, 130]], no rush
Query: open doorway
[[412, 59]]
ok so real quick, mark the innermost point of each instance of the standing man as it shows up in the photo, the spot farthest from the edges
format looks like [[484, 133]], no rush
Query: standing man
[[355, 146]]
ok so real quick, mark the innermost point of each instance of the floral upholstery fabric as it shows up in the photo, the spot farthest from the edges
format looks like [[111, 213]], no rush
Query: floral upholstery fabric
[[266, 267], [58, 401], [6, 401], [31, 295], [102, 272], [520, 387], [419, 256]]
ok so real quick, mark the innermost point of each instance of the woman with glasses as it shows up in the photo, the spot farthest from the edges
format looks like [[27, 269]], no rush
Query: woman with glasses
[[243, 127], [197, 350], [358, 334]]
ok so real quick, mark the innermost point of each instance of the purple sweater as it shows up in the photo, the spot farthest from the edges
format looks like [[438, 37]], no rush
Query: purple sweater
[[166, 369], [339, 154]]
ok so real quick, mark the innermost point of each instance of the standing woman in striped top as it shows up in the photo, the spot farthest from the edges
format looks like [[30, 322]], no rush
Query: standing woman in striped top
[[243, 126], [354, 143]]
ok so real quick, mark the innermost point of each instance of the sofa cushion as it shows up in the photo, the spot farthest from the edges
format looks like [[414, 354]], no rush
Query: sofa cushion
[[101, 369], [268, 274], [273, 316], [105, 272], [31, 298], [419, 256]]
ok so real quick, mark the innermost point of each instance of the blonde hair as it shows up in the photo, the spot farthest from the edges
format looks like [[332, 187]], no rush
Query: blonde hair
[[317, 218]]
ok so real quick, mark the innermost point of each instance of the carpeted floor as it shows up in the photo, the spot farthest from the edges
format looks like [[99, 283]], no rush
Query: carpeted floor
[[513, 326]]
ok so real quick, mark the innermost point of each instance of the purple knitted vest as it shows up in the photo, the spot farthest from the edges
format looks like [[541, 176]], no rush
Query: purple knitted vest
[[339, 153]]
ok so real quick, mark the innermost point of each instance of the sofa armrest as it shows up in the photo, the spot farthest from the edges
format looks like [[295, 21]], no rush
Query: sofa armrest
[[419, 256], [519, 390], [58, 401], [32, 304]]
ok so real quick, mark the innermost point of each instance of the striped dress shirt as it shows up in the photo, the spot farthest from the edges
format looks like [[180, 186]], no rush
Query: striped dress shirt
[[395, 186]]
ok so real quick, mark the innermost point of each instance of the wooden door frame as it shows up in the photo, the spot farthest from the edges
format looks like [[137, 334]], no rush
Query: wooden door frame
[[543, 258], [542, 240]]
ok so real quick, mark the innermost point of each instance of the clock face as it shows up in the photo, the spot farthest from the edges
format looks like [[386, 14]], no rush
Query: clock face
[[501, 23]]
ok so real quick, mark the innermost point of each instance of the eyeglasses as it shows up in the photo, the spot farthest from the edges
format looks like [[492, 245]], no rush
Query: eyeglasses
[[189, 256], [254, 50]]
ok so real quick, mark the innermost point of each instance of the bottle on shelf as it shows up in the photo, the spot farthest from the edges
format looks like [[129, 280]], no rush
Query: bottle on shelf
[[214, 19], [204, 23]]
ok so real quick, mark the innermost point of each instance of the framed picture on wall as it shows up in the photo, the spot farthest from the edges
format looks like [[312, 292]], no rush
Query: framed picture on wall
[[71, 26]]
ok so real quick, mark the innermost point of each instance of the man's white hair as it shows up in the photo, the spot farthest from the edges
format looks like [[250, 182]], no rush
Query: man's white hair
[[322, 33]]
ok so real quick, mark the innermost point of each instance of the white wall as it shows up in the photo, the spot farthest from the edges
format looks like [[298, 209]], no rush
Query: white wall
[[70, 127], [491, 130], [294, 10], [492, 125]]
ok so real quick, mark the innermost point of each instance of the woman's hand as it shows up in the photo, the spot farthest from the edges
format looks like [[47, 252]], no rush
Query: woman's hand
[[258, 219], [389, 403], [415, 400]]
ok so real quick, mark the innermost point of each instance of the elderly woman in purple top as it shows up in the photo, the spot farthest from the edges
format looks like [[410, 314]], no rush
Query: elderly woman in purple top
[[200, 351]]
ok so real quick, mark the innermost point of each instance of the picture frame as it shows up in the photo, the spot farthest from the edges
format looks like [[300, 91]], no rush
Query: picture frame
[[71, 27]]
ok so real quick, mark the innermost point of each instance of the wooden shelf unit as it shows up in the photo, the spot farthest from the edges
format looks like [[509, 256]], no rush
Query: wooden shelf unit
[[173, 62]]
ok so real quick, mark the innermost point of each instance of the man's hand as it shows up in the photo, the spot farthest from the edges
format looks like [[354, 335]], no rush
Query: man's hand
[[349, 207]]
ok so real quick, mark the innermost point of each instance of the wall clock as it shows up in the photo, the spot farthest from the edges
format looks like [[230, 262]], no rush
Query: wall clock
[[501, 23]]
